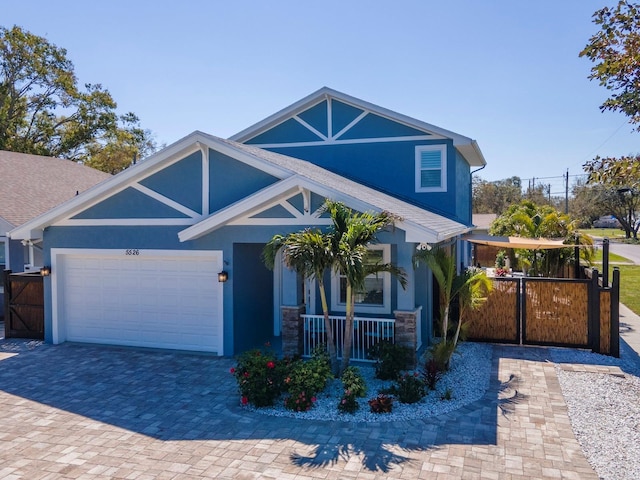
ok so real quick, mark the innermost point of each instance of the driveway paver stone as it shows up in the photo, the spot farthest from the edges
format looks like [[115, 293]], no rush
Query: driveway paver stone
[[93, 412]]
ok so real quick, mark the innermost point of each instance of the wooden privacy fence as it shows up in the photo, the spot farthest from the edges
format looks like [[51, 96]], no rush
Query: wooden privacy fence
[[23, 305], [580, 313]]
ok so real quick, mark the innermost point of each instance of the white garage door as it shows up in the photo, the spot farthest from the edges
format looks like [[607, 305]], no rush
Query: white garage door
[[141, 298]]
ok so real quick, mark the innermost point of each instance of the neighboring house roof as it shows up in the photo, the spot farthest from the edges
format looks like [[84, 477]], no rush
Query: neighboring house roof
[[419, 224], [483, 221], [30, 185], [467, 147]]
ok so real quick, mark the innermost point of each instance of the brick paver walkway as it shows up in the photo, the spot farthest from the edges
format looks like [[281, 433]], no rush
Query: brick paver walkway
[[90, 412]]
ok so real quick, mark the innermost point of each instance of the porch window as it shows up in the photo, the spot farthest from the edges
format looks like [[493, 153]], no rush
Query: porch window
[[431, 168], [375, 297]]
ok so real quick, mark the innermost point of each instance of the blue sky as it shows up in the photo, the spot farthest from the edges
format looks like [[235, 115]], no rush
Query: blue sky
[[503, 72]]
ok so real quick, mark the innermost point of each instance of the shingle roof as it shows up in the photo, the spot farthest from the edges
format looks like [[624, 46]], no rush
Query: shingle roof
[[32, 184]]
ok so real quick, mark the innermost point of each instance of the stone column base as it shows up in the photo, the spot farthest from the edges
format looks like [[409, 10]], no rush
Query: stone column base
[[292, 329], [406, 329]]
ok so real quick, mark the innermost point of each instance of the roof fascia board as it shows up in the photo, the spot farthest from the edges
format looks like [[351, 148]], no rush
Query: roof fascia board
[[245, 157], [278, 117], [241, 207]]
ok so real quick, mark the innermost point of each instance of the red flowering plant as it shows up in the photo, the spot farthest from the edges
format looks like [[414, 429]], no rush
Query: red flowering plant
[[260, 375]]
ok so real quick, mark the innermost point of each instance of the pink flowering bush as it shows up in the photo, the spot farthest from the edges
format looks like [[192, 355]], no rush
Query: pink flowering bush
[[348, 402]]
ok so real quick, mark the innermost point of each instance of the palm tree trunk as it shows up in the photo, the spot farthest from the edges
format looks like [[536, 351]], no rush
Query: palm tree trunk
[[331, 344], [445, 323], [348, 330]]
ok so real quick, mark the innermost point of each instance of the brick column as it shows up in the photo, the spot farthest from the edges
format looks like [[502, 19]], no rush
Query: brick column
[[292, 329], [406, 332]]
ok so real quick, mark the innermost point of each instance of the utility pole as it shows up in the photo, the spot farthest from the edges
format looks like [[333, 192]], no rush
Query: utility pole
[[566, 193]]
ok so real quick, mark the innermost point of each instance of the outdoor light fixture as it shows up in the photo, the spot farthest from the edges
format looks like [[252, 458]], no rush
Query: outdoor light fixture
[[45, 271], [223, 276]]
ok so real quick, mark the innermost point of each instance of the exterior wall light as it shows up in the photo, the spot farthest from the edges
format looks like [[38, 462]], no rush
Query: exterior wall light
[[45, 271], [223, 276]]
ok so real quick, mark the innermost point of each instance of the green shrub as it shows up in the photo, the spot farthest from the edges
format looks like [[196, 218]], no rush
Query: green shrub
[[410, 388], [391, 359], [447, 395], [305, 379], [353, 381], [260, 377]]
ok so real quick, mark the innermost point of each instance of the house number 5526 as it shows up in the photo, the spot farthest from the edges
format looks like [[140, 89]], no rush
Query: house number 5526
[[132, 251]]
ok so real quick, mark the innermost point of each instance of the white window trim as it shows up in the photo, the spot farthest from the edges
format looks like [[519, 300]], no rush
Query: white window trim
[[386, 288], [443, 168]]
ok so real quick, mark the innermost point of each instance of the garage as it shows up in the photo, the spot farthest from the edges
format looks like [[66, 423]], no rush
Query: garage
[[143, 298]]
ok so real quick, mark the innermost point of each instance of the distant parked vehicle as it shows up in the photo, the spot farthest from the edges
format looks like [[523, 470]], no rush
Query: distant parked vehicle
[[607, 221]]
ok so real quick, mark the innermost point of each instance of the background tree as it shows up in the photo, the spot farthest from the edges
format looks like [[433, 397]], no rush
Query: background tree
[[530, 220], [614, 50], [585, 204], [496, 196], [618, 181], [44, 112]]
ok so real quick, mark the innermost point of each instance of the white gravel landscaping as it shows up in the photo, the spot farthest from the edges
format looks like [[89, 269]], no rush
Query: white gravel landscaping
[[604, 411], [467, 380]]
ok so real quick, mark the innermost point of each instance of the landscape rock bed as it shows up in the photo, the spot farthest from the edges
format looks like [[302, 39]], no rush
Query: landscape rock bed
[[467, 380]]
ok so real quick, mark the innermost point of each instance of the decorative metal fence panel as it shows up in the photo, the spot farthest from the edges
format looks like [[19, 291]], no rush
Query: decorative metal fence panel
[[366, 333]]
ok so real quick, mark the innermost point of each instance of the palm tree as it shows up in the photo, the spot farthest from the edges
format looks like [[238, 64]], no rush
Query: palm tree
[[351, 234], [342, 249], [308, 253], [469, 288]]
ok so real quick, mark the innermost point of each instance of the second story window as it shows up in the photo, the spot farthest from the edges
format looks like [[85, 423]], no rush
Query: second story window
[[431, 168]]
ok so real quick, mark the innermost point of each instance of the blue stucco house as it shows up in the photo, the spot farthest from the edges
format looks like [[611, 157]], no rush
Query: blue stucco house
[[136, 260]]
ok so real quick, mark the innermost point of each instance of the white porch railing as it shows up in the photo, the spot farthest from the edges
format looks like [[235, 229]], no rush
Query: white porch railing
[[366, 333]]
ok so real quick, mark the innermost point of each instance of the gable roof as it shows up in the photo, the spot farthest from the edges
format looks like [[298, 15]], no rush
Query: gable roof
[[467, 147], [419, 224], [483, 221], [33, 184]]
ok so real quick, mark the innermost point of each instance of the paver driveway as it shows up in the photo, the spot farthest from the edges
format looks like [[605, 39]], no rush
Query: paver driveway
[[88, 412]]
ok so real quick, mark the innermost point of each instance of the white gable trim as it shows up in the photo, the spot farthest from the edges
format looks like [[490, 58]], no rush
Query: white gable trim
[[309, 127], [350, 125], [124, 222], [473, 155], [165, 200], [263, 199], [334, 141], [205, 179]]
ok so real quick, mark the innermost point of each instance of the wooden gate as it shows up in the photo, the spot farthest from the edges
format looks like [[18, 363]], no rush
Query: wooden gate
[[579, 313], [23, 305]]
